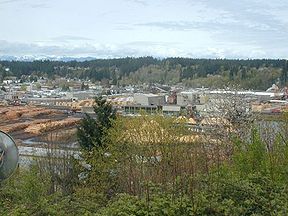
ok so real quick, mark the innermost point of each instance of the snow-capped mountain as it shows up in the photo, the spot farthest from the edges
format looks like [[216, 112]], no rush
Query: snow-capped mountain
[[44, 57]]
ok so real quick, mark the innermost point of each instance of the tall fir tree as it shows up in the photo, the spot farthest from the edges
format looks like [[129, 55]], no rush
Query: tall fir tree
[[91, 131], [284, 74]]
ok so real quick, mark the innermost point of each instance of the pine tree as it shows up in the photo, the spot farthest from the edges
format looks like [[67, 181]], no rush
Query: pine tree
[[284, 73], [91, 131]]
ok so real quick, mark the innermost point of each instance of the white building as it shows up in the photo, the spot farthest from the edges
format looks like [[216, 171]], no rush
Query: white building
[[149, 99], [191, 98]]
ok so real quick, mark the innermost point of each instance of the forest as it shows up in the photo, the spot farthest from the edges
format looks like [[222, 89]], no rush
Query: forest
[[213, 73], [151, 165]]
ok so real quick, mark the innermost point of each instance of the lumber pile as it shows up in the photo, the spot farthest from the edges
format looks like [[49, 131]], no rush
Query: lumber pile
[[51, 125]]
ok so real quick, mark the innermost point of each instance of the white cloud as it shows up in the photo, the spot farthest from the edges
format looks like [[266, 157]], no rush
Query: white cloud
[[190, 28], [135, 49]]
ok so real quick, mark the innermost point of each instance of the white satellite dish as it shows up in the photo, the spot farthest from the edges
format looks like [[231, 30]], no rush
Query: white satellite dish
[[8, 156]]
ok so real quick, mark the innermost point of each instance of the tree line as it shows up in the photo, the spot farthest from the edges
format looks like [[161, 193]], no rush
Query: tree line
[[251, 73]]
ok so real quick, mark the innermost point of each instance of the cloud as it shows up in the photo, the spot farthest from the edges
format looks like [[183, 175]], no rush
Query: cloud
[[135, 49], [91, 50], [241, 24], [141, 2], [9, 1], [66, 38], [211, 28], [38, 5], [156, 49], [150, 43], [211, 25], [30, 3]]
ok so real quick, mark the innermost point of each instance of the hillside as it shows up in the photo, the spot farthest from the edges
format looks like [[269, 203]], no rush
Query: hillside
[[213, 73]]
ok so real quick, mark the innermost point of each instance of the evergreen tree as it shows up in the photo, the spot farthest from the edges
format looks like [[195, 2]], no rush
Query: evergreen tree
[[91, 131], [2, 73], [284, 75]]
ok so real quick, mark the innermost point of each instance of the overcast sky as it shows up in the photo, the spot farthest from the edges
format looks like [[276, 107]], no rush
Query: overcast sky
[[160, 28]]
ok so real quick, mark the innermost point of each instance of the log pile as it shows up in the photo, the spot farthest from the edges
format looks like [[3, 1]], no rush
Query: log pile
[[21, 126], [51, 125], [14, 113]]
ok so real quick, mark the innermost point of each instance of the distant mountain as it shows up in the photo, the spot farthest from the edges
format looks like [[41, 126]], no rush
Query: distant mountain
[[29, 58]]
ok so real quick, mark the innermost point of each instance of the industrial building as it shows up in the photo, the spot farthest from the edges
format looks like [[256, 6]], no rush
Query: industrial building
[[149, 99], [191, 98], [172, 110]]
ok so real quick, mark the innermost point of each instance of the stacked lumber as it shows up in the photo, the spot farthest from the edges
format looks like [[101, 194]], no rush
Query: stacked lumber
[[51, 125], [20, 126]]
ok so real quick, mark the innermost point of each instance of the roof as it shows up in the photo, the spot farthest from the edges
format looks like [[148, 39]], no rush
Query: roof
[[148, 95], [191, 121], [171, 108], [215, 121]]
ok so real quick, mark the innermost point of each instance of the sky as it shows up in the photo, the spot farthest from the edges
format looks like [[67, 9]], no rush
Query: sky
[[160, 28]]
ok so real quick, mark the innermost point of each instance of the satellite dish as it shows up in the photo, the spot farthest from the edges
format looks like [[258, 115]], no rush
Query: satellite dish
[[8, 156]]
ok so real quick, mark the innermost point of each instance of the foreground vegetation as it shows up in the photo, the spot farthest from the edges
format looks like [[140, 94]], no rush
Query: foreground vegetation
[[153, 165]]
